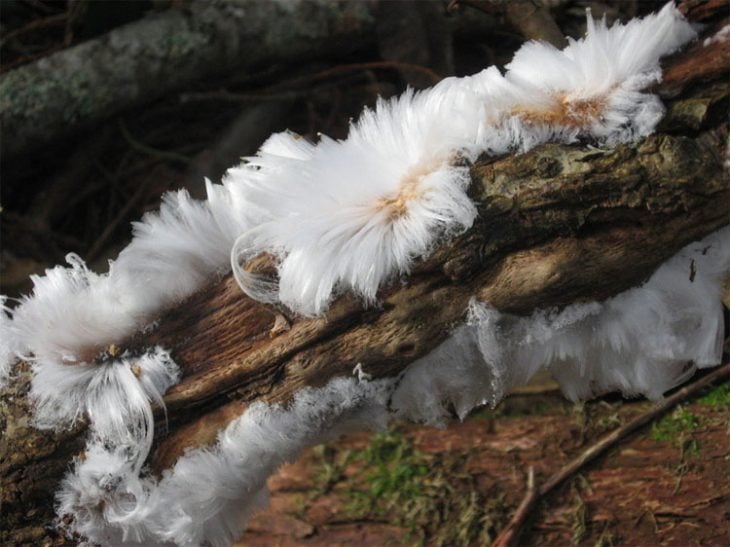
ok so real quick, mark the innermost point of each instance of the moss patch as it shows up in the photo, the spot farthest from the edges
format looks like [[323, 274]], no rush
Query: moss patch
[[431, 496], [717, 396], [675, 425]]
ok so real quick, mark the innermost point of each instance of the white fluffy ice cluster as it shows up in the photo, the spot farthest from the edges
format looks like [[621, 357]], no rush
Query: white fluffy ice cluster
[[208, 495], [402, 194], [641, 342], [719, 37], [351, 215], [114, 395], [404, 161]]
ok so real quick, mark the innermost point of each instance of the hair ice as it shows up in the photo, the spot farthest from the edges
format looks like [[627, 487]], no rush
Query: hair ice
[[208, 495], [352, 214], [643, 341]]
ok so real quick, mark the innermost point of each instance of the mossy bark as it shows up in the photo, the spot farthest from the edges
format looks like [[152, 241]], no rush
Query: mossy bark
[[557, 225], [142, 61]]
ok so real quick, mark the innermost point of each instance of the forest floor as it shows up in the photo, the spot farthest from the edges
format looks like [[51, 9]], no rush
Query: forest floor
[[666, 485]]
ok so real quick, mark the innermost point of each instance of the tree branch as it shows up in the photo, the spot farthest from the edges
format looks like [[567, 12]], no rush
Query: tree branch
[[76, 87], [556, 225]]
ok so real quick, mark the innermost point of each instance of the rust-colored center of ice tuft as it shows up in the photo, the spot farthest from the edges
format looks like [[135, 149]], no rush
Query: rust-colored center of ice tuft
[[410, 189], [566, 111]]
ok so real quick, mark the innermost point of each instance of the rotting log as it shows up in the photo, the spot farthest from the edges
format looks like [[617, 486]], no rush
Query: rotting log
[[557, 225]]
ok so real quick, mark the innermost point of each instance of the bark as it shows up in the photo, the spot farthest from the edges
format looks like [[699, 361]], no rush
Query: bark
[[557, 225], [75, 88]]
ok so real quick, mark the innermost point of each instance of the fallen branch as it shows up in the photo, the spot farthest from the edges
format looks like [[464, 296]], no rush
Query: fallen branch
[[556, 225], [75, 88], [511, 532]]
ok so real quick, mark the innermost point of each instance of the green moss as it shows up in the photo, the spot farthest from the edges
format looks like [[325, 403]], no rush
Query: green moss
[[431, 496], [717, 396], [674, 426], [299, 505], [393, 469], [606, 539], [331, 467]]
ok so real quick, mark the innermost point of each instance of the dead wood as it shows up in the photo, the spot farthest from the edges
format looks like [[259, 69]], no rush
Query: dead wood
[[76, 88], [79, 86], [557, 225]]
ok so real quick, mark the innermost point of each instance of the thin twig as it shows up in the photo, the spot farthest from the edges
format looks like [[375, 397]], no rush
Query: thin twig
[[98, 245], [535, 23], [39, 6], [149, 150], [52, 21], [511, 532], [232, 97], [491, 7], [284, 91], [533, 20], [375, 65], [30, 58]]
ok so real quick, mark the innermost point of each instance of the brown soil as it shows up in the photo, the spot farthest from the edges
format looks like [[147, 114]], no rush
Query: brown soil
[[666, 485]]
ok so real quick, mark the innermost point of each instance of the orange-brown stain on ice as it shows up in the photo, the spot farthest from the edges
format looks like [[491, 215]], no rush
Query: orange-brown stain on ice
[[565, 111]]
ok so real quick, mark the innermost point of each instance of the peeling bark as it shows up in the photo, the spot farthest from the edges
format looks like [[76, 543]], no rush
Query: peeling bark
[[557, 225]]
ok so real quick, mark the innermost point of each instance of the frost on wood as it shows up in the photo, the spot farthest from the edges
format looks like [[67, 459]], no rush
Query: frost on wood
[[638, 342], [209, 493], [641, 342], [404, 161], [592, 88], [350, 216], [116, 396], [402, 194]]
